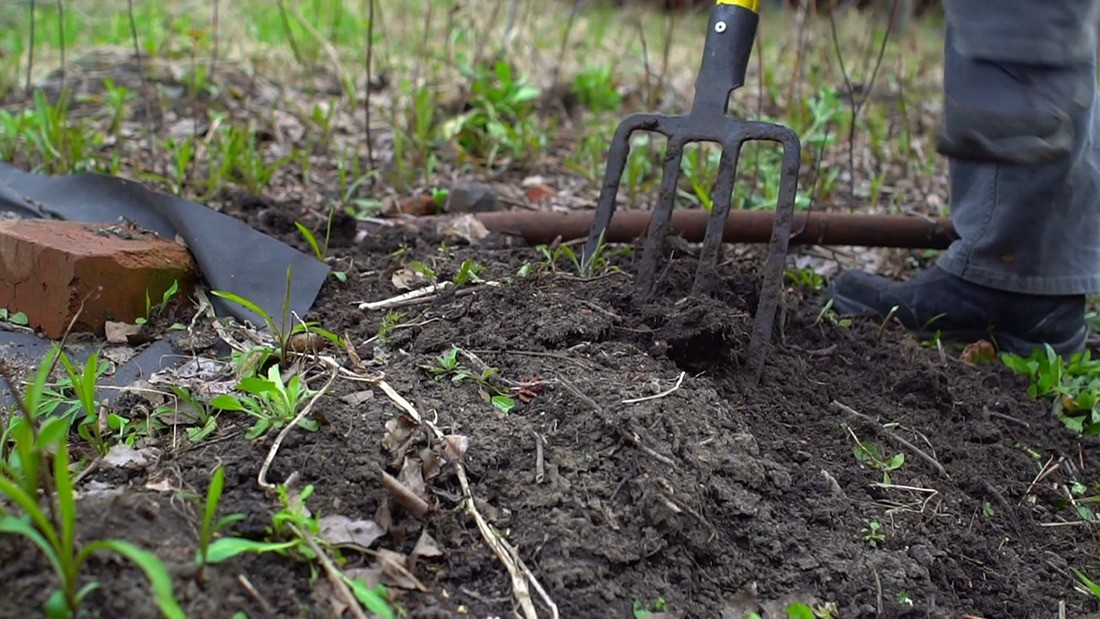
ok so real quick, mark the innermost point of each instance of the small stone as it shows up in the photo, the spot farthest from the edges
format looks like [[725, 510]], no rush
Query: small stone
[[472, 198]]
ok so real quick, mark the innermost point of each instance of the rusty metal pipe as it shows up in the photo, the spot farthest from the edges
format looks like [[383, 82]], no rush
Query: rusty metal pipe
[[807, 228]]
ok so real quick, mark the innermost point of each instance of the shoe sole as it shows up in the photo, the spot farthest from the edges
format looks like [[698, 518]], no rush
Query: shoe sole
[[1005, 342]]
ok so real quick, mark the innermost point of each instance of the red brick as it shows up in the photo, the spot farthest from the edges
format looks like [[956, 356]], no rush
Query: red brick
[[47, 268]]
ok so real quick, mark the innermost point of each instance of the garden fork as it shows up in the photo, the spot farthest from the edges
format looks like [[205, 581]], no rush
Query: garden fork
[[730, 36]]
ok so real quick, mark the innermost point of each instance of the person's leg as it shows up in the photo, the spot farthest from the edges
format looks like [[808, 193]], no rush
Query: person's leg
[[1020, 126]]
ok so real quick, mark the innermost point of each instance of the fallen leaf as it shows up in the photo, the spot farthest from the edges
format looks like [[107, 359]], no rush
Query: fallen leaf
[[382, 516], [418, 206], [464, 228], [119, 332], [540, 194], [159, 485], [343, 531], [412, 478], [96, 489], [122, 455], [407, 279], [430, 463], [357, 398], [425, 547], [398, 430], [455, 446], [393, 574], [978, 353]]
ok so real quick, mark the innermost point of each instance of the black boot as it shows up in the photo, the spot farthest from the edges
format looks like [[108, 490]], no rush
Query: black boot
[[936, 302]]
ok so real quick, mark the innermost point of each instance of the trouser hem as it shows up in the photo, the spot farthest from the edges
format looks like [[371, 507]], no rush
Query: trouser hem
[[1038, 285]]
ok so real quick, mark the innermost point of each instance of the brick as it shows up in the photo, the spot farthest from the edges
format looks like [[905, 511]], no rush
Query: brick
[[47, 268]]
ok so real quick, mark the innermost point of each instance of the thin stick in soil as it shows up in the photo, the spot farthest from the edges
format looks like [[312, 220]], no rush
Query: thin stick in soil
[[521, 576], [894, 437], [268, 609], [658, 396], [149, 118], [413, 504], [366, 103], [30, 47], [261, 478], [628, 435]]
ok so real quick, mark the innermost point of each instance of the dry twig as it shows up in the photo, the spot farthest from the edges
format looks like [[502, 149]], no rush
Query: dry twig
[[663, 394], [261, 478], [895, 438]]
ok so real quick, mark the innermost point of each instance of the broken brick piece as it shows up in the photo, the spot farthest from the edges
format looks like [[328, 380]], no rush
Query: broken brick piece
[[49, 268]]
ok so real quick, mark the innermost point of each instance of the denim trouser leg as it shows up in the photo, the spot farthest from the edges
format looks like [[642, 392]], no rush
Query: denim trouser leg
[[1030, 224]]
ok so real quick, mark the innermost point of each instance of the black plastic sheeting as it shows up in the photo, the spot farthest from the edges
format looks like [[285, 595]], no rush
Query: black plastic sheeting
[[231, 255]]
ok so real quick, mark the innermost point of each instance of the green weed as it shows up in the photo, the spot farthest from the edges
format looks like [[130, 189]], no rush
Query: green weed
[[873, 535], [280, 330], [596, 90], [806, 278], [39, 466], [1073, 386], [271, 401], [447, 365], [500, 121], [869, 454], [211, 550]]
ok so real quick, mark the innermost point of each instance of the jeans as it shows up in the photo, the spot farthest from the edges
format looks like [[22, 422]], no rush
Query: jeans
[[1020, 130]]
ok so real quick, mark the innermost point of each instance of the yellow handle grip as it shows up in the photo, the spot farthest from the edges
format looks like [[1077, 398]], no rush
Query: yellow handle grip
[[752, 5]]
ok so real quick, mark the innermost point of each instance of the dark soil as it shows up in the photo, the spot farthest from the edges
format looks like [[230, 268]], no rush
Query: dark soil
[[716, 497]]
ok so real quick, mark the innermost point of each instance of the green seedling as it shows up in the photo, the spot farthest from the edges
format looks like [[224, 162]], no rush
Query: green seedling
[[1073, 385], [595, 89], [83, 382], [280, 330], [447, 366], [641, 611], [467, 273], [118, 97], [1089, 584], [828, 314], [39, 466], [210, 550], [389, 323], [15, 318], [500, 120], [798, 610], [873, 535], [153, 311], [202, 422], [297, 531], [271, 401], [807, 279], [869, 454]]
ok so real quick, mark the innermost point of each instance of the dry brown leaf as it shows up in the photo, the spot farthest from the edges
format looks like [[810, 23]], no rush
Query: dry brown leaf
[[383, 517], [122, 455], [120, 332], [357, 398], [430, 464], [412, 478], [425, 547], [343, 531], [398, 430], [464, 228], [408, 279], [392, 573], [978, 353], [455, 446]]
